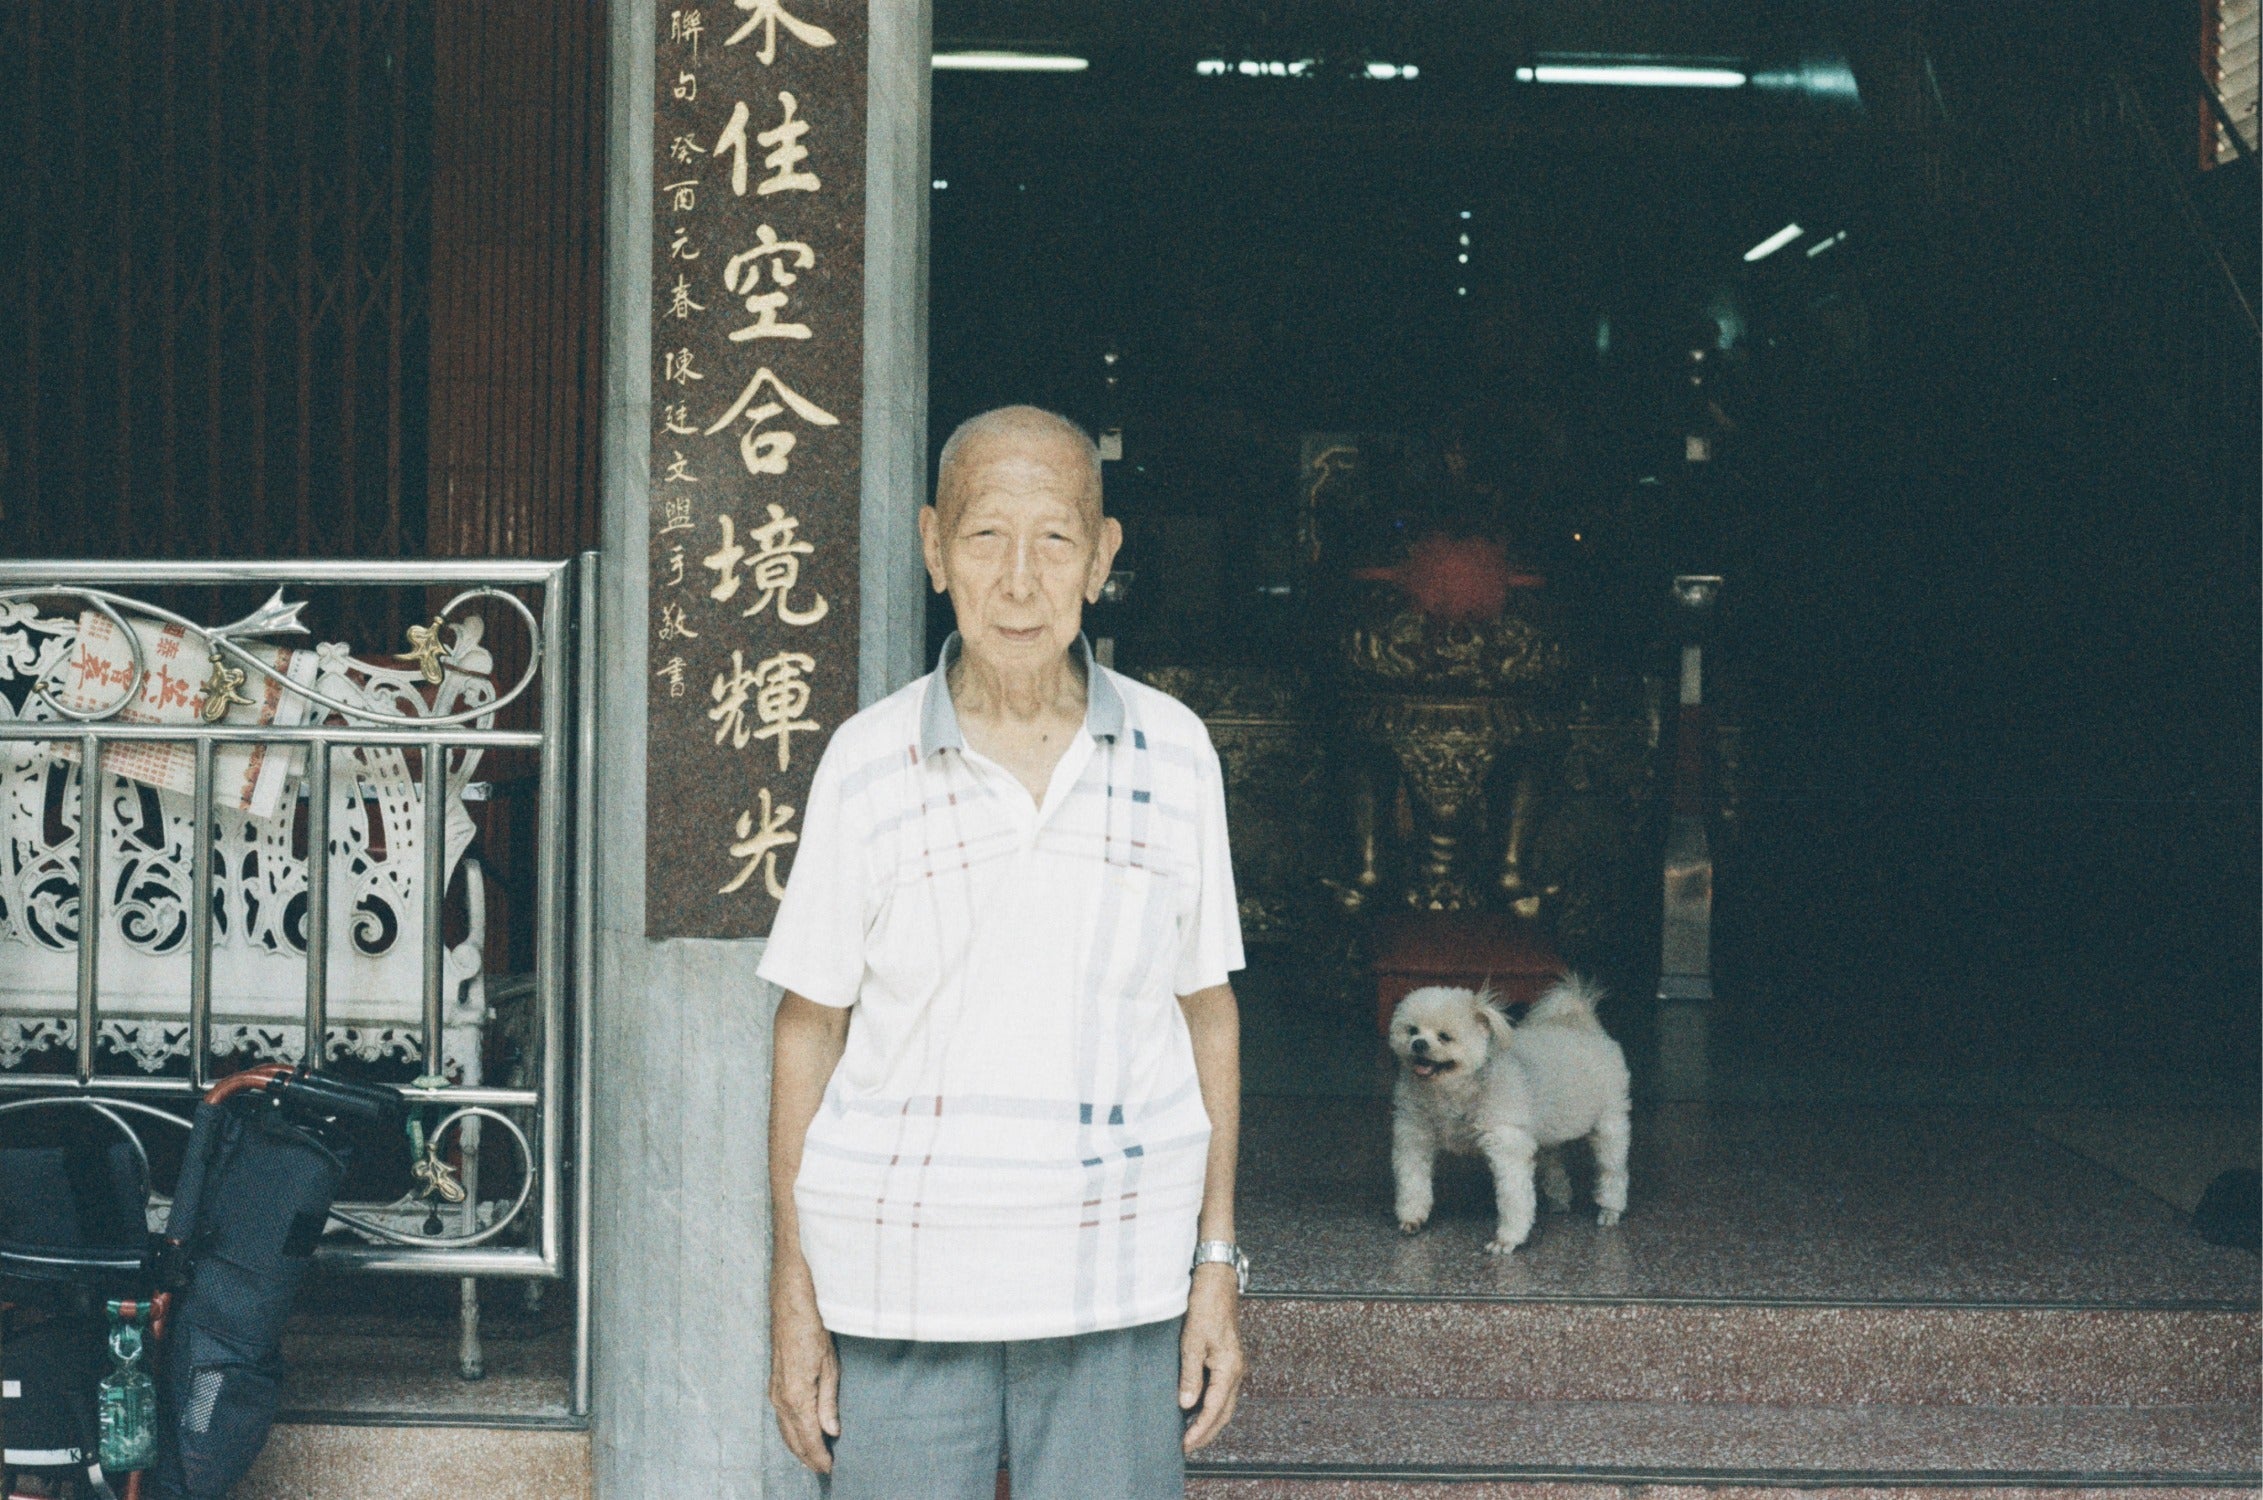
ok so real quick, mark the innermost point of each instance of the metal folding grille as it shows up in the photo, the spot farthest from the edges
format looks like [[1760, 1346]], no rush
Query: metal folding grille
[[215, 254]]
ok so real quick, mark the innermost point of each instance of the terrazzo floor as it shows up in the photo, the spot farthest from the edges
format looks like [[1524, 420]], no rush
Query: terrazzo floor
[[1606, 1438], [1738, 1203]]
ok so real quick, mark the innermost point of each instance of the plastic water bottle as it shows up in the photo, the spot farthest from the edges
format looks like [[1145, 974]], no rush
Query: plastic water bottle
[[128, 1396]]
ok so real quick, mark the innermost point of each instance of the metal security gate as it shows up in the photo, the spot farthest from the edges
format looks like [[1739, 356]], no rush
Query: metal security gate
[[287, 816]]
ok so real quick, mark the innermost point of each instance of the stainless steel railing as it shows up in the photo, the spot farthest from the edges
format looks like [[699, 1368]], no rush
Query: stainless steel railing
[[563, 744]]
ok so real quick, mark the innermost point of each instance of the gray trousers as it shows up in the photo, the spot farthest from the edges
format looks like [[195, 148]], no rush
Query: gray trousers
[[1095, 1417]]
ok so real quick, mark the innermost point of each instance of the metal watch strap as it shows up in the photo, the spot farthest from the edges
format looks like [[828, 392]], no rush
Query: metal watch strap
[[1227, 1253]]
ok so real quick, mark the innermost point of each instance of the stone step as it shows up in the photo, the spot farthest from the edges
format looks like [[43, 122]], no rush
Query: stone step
[[1283, 1447], [1771, 1354], [308, 1461], [1510, 1489]]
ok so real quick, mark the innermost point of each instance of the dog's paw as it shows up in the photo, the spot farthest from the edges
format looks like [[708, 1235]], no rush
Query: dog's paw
[[1500, 1245], [1606, 1217], [1412, 1226]]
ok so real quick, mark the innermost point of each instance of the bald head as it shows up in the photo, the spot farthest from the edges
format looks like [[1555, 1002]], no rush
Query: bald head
[[1024, 433]]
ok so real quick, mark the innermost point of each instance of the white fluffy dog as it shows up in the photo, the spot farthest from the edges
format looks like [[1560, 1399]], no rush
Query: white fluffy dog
[[1471, 1083]]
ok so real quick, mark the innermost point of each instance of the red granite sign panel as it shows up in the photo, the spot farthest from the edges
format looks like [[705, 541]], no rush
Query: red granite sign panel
[[757, 398]]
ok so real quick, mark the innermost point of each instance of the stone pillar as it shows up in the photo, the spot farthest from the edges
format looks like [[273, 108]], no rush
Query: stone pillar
[[680, 1219]]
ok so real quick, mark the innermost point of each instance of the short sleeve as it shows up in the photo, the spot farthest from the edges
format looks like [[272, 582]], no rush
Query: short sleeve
[[1210, 937], [816, 946]]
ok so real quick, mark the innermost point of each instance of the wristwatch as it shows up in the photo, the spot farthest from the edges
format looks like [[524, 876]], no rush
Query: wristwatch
[[1223, 1252]]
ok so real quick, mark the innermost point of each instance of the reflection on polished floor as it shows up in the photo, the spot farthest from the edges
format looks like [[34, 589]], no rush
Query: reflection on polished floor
[[1863, 1299], [1740, 1203]]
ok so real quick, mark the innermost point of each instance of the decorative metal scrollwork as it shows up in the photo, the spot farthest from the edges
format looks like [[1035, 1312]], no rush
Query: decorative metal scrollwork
[[276, 617]]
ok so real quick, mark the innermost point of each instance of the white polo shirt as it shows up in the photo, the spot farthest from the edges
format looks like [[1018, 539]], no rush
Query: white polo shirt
[[1013, 1144]]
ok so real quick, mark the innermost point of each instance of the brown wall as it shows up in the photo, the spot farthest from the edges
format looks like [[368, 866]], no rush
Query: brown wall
[[517, 185]]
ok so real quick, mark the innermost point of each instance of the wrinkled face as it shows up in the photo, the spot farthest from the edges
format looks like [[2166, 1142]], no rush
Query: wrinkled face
[[1021, 548], [1442, 1030]]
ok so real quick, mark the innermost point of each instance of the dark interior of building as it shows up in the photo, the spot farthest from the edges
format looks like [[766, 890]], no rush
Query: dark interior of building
[[1986, 517]]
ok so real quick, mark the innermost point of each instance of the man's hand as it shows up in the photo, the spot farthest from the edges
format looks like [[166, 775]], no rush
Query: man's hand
[[1210, 1354], [805, 1378]]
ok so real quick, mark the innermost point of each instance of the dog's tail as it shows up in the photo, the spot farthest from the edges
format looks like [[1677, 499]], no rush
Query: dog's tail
[[1571, 998]]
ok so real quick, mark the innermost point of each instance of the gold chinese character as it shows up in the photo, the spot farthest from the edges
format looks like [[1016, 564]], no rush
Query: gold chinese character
[[672, 626], [675, 416], [677, 510], [786, 153], [742, 275], [683, 197], [679, 470], [759, 843], [685, 26], [775, 569], [770, 15], [680, 304], [687, 87], [676, 367], [780, 692], [684, 148], [675, 567], [766, 452], [679, 248], [672, 672]]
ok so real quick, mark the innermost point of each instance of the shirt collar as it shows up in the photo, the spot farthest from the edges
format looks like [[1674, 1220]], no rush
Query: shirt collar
[[939, 720]]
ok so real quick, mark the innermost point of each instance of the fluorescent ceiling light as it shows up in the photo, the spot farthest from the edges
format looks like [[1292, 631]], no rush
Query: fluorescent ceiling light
[[1250, 67], [1774, 242], [1634, 75], [1009, 62], [1822, 245]]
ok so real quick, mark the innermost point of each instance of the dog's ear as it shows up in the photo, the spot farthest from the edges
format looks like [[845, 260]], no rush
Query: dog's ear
[[1496, 1020]]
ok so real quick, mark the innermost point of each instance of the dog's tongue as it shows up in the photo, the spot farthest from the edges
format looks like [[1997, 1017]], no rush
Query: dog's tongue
[[1425, 1069]]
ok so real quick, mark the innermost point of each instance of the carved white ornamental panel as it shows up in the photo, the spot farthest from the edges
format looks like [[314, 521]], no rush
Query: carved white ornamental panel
[[377, 831]]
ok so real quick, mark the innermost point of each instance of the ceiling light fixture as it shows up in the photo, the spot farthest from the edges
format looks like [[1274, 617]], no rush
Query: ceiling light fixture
[[1774, 242], [1009, 62], [1822, 245], [1629, 72]]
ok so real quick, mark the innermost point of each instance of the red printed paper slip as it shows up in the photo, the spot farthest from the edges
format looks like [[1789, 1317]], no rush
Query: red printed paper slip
[[177, 668]]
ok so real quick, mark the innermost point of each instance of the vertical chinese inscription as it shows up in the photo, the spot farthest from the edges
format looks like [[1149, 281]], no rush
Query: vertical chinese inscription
[[757, 400]]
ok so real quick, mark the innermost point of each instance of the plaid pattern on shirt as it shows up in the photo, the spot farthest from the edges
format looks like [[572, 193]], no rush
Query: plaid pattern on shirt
[[1013, 1144]]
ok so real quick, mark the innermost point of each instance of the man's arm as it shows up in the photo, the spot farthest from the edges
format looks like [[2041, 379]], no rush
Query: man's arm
[[1210, 1351], [805, 1375]]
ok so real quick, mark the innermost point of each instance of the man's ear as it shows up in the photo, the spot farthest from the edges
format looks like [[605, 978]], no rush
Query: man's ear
[[1103, 558], [931, 547]]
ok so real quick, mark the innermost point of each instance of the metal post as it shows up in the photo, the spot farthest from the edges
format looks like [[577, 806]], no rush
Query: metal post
[[90, 893], [435, 888], [1685, 968], [585, 909], [200, 925], [316, 1051], [550, 903]]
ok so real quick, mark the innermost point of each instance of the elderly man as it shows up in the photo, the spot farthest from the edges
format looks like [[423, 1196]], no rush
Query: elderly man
[[1006, 1088]]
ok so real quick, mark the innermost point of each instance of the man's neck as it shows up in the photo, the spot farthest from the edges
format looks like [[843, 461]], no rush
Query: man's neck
[[1017, 700], [1023, 721]]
